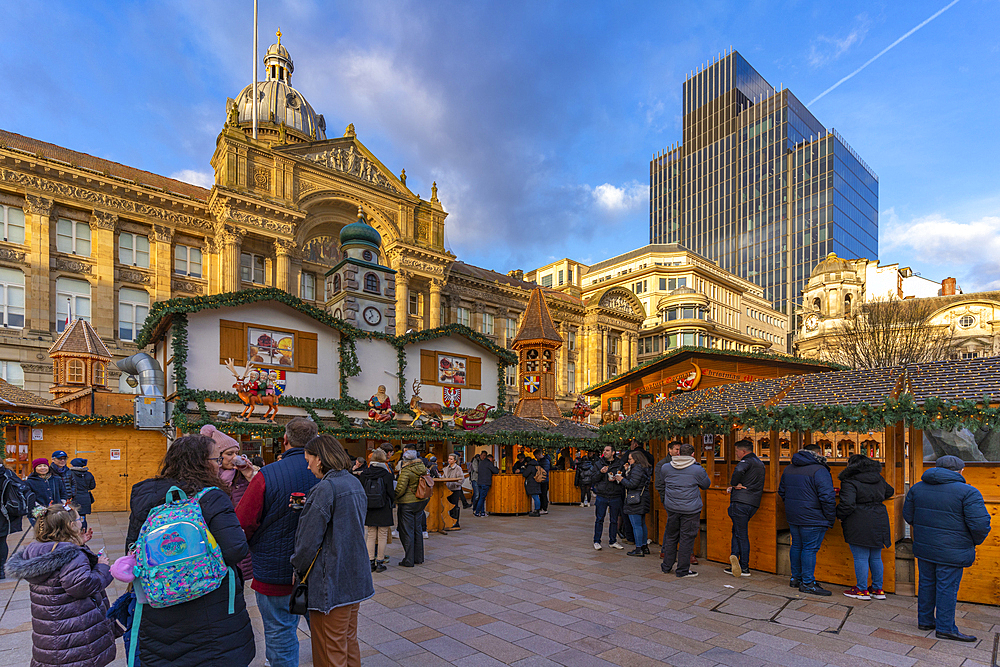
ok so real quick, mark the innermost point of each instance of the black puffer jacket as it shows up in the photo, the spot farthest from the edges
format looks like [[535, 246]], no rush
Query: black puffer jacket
[[202, 631], [637, 477], [602, 486], [528, 470], [861, 510], [68, 604], [83, 484], [750, 473], [380, 517]]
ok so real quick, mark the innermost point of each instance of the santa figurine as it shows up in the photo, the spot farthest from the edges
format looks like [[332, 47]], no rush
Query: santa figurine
[[380, 407], [252, 385]]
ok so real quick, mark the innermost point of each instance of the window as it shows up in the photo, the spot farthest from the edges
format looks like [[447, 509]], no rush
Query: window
[[488, 324], [336, 284], [663, 283], [187, 261], [71, 294], [571, 377], [511, 328], [133, 306], [511, 376], [13, 224], [133, 250], [251, 268], [12, 298], [100, 374], [569, 276], [76, 370], [462, 316], [12, 372], [547, 280], [572, 339], [73, 237], [371, 283], [415, 303], [970, 355], [560, 277], [612, 345], [307, 286], [966, 321], [674, 283]]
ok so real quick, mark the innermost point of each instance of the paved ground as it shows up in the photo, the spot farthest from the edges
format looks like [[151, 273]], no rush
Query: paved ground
[[534, 593]]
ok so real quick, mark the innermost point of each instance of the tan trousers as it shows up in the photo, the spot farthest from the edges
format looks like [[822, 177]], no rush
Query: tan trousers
[[335, 637], [373, 533]]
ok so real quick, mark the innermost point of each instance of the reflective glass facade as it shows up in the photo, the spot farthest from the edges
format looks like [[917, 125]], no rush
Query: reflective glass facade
[[759, 185]]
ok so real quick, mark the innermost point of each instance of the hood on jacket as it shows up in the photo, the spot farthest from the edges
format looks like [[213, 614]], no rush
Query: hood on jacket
[[78, 468], [680, 462], [805, 457], [416, 465], [39, 561], [942, 476], [867, 471]]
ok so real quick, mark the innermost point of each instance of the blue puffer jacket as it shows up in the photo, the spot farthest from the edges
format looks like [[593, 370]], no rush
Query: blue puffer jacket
[[807, 489], [948, 516]]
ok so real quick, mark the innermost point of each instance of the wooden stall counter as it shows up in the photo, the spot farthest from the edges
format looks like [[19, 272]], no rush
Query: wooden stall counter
[[561, 488], [438, 506], [507, 495], [764, 527]]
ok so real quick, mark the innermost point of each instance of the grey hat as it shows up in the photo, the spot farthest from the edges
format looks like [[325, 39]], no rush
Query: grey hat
[[410, 454], [950, 463]]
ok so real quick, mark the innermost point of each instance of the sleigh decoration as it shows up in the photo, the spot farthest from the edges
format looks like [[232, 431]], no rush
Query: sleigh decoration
[[472, 419]]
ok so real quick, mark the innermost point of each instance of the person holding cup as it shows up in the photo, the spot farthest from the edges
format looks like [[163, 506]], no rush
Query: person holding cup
[[236, 471]]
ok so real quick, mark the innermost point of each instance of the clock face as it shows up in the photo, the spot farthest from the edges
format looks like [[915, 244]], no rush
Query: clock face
[[812, 322], [372, 316]]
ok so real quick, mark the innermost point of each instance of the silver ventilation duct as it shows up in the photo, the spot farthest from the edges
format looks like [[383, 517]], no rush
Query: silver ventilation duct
[[151, 380]]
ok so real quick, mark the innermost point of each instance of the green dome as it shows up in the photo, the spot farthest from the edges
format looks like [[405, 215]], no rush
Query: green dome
[[360, 232]]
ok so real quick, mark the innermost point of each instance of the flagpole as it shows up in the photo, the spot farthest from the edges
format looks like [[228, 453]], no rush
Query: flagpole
[[254, 69]]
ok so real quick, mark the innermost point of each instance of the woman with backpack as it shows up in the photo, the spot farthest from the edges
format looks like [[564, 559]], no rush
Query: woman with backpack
[[532, 485], [66, 582], [201, 631], [377, 482], [330, 554], [410, 509], [862, 513], [637, 501], [583, 478]]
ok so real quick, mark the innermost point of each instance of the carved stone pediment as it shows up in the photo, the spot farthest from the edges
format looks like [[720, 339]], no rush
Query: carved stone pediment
[[350, 159]]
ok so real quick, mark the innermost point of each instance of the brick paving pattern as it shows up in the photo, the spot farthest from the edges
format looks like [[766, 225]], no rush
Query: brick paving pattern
[[532, 592]]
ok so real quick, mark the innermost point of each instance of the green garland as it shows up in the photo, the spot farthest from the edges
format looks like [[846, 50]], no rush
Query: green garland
[[35, 419]]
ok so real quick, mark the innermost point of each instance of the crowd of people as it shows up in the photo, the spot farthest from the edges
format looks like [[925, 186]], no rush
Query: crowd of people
[[311, 529]]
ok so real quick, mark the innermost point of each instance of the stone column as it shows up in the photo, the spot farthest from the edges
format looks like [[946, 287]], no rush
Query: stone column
[[283, 250], [603, 358], [562, 370], [435, 302], [228, 241], [102, 250], [402, 300], [39, 317], [161, 254]]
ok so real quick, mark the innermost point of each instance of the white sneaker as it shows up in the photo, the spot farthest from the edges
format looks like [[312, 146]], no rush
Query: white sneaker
[[586, 504], [543, 512], [426, 535], [597, 546], [649, 541], [582, 505], [615, 545], [395, 533]]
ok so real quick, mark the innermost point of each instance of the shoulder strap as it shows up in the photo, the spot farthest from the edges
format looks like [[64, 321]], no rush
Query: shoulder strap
[[133, 648]]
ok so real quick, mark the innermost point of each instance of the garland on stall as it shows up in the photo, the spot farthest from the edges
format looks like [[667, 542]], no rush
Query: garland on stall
[[35, 419]]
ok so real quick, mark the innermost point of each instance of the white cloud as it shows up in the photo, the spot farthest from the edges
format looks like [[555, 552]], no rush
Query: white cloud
[[616, 200], [967, 250], [825, 49], [200, 178]]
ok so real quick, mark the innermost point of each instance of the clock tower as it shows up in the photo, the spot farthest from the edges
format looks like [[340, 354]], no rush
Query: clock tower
[[360, 289], [536, 343]]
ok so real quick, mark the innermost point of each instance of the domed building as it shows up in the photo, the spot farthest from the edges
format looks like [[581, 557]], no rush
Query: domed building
[[360, 290]]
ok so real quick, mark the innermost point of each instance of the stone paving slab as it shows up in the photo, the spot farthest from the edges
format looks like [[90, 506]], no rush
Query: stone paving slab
[[532, 592]]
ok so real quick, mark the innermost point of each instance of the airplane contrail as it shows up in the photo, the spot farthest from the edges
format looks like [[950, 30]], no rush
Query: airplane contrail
[[883, 51]]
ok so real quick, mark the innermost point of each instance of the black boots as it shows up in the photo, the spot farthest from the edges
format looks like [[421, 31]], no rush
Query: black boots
[[645, 549], [637, 552], [377, 566], [534, 513]]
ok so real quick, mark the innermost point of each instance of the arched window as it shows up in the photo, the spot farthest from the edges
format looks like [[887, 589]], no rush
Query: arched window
[[371, 283], [100, 374], [336, 284], [816, 303], [847, 305], [76, 371]]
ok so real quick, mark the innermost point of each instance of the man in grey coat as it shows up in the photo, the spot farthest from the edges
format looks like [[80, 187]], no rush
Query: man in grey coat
[[682, 479]]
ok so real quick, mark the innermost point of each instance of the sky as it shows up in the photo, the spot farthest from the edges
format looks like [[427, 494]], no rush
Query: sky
[[538, 119]]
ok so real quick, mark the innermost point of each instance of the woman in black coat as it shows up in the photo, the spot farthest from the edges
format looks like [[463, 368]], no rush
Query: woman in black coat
[[378, 520], [636, 483], [531, 487], [865, 520], [202, 631], [48, 487]]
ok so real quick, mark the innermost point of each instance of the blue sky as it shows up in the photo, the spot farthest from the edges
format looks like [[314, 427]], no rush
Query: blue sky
[[537, 119]]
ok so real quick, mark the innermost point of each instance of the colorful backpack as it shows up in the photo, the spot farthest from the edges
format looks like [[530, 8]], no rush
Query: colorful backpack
[[177, 558]]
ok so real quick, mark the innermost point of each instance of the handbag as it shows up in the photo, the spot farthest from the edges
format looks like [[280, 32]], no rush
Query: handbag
[[298, 603], [633, 497]]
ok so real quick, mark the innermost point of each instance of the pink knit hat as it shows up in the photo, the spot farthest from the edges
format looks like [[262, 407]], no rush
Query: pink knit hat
[[222, 441], [39, 462]]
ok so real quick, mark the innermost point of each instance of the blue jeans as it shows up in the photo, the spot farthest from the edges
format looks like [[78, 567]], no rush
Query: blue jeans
[[938, 590], [638, 529], [741, 513], [806, 541], [475, 496], [867, 558], [602, 505], [536, 501], [281, 643], [480, 502]]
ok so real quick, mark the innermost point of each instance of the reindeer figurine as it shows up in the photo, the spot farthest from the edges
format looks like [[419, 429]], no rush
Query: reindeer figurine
[[251, 395], [431, 410]]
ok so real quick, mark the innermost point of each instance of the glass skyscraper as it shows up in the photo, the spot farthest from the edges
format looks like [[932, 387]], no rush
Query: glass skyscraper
[[759, 185]]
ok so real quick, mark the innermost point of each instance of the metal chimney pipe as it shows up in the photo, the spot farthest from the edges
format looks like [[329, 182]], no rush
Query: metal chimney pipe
[[151, 380]]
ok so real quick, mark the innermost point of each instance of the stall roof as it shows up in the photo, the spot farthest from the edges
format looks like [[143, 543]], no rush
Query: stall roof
[[965, 379], [15, 399]]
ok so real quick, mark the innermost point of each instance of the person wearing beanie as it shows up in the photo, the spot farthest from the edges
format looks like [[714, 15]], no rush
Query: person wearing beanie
[[410, 509], [236, 471], [949, 520], [59, 467], [47, 487], [84, 483]]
